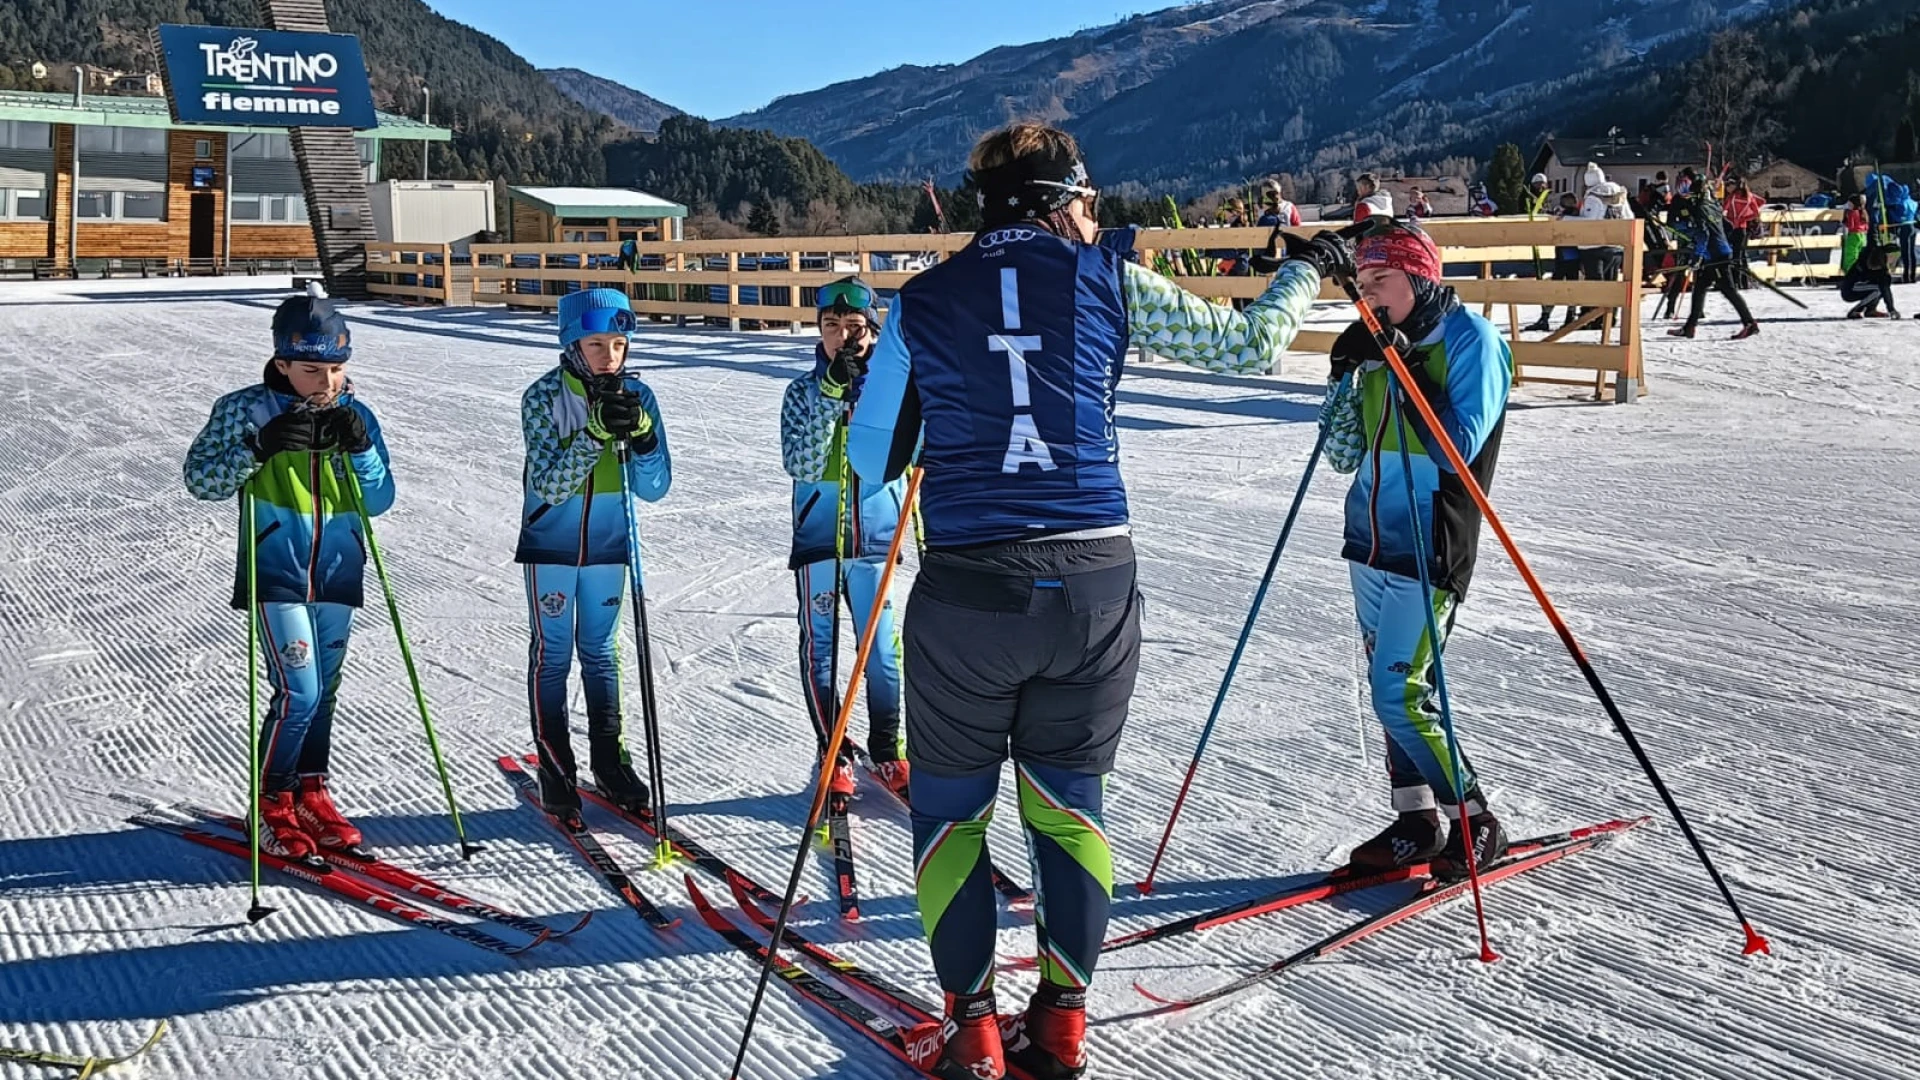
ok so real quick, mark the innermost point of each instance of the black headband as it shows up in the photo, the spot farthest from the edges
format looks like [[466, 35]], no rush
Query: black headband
[[1031, 186]]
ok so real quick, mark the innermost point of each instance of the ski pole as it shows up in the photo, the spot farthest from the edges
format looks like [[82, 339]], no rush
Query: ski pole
[[834, 740], [467, 850], [255, 909], [1457, 760], [1239, 650], [643, 645], [1755, 943]]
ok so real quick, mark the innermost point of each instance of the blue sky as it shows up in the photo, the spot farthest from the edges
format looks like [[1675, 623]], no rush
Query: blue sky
[[717, 58]]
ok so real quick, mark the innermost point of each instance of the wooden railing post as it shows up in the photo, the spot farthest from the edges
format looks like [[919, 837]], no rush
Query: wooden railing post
[[446, 275], [733, 290], [1626, 387]]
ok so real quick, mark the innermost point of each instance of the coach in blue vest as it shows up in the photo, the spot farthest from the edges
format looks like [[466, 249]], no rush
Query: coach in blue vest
[[997, 368]]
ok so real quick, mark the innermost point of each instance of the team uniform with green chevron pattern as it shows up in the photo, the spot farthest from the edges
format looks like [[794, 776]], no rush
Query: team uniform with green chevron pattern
[[1469, 368], [573, 547], [310, 560]]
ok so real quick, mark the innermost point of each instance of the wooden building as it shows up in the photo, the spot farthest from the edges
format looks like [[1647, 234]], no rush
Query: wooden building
[[1781, 181], [566, 215], [1625, 161], [86, 178]]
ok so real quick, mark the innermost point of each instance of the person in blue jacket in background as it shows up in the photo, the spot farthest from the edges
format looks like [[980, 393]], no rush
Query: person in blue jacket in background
[[290, 440], [573, 539], [1463, 367], [997, 370], [837, 520]]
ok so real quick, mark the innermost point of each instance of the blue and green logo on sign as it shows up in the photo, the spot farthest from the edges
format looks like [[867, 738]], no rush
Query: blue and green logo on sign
[[266, 78]]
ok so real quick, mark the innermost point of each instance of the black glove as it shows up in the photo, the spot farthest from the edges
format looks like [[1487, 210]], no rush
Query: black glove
[[296, 431], [1356, 346], [347, 429], [1268, 260], [615, 413], [1328, 252], [847, 365]]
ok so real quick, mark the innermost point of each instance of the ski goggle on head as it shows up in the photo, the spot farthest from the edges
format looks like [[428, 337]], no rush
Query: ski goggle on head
[[845, 298]]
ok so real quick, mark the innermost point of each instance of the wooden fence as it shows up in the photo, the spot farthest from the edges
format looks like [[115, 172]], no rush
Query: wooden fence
[[1800, 245], [761, 279]]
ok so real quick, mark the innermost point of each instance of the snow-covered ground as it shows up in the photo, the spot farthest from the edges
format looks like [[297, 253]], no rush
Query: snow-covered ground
[[1738, 553]]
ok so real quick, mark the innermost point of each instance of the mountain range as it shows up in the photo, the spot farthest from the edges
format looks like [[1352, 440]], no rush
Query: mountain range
[[623, 103], [1212, 92]]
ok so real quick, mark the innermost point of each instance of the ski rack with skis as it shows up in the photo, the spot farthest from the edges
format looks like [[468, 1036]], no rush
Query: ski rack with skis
[[591, 850]]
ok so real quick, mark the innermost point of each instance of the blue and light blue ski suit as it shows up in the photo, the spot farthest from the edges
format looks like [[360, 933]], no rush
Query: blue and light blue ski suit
[[573, 545], [1471, 367], [310, 559], [813, 446]]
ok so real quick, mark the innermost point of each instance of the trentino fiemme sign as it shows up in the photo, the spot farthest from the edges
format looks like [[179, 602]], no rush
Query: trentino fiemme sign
[[266, 78]]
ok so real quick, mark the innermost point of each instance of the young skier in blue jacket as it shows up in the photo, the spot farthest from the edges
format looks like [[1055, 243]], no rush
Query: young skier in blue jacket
[[578, 419], [291, 440], [835, 514]]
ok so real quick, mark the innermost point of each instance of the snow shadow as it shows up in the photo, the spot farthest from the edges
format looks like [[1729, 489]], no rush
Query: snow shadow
[[122, 976]]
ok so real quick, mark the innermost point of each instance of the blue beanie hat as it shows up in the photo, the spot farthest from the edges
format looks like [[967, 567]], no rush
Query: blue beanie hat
[[308, 328], [594, 311]]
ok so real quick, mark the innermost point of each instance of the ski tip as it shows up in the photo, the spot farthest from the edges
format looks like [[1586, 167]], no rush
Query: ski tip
[[468, 851], [1755, 943], [1151, 996], [258, 912], [665, 925]]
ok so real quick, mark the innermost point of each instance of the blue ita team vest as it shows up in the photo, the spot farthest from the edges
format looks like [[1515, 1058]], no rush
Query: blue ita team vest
[[1017, 344]]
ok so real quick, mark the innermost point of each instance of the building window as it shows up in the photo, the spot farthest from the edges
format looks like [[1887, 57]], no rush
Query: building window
[[143, 205], [25, 135], [123, 140], [268, 147], [269, 209], [122, 205], [203, 149], [21, 205]]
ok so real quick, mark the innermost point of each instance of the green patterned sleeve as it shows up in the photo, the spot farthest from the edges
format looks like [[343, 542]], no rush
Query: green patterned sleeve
[[557, 469], [1340, 419], [221, 460], [1167, 320]]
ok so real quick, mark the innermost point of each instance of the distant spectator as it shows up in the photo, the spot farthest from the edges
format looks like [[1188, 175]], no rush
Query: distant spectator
[[1275, 209], [1538, 192], [1742, 208], [1853, 236], [1479, 203], [1417, 205], [1370, 200], [1236, 214], [1566, 263], [1904, 228], [1605, 201], [1869, 283]]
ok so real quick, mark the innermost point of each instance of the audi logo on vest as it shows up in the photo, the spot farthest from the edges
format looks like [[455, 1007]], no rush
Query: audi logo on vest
[[1003, 237]]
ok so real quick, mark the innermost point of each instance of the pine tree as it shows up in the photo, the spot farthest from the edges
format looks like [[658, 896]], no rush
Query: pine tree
[[1507, 179], [1903, 141]]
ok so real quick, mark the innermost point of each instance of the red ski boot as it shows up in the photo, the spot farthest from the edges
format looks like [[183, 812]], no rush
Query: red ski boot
[[1685, 331], [893, 774], [1049, 1040], [1752, 329], [321, 819], [966, 1046], [280, 830]]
